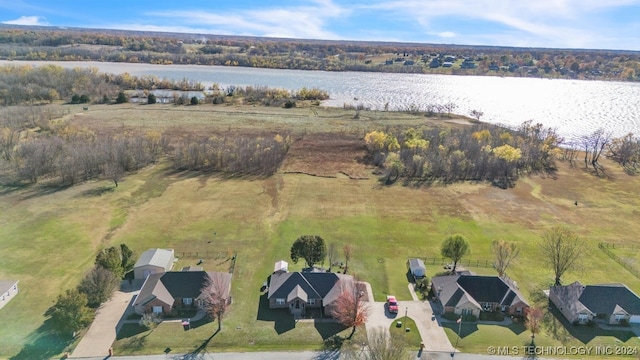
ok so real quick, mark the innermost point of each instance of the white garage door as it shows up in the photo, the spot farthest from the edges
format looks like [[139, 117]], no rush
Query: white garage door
[[634, 319]]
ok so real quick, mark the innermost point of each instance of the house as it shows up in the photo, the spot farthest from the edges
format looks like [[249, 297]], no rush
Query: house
[[417, 268], [613, 303], [162, 293], [8, 290], [298, 291], [153, 261], [473, 294]]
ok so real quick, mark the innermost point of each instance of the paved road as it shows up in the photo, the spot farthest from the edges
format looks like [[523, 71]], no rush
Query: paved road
[[302, 355], [102, 333]]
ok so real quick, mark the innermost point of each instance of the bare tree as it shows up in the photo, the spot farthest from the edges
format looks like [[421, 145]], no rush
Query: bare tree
[[379, 346], [626, 152], [350, 308], [346, 251], [593, 145], [8, 140], [215, 295], [332, 254], [562, 250], [504, 253]]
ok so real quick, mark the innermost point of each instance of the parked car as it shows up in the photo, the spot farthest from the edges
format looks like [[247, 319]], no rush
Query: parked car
[[392, 304]]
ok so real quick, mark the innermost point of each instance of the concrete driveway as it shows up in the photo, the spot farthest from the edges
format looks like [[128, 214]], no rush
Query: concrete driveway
[[432, 334], [102, 332]]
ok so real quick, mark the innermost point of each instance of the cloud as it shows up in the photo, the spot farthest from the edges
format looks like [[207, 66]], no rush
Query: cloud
[[447, 34], [27, 20], [548, 23], [304, 21]]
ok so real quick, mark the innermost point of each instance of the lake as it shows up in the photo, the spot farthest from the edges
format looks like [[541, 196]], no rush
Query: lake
[[573, 107]]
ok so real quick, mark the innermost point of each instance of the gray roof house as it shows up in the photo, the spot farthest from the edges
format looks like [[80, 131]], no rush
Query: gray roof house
[[472, 294], [298, 291], [612, 303], [164, 292], [153, 261], [8, 290]]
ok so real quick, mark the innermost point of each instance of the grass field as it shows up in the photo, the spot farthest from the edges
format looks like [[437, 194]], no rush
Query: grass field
[[49, 237]]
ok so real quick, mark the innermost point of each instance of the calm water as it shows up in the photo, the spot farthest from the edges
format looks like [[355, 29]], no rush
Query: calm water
[[573, 107]]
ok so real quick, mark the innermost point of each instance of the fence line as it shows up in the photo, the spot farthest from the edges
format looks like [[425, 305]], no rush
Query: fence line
[[606, 248], [463, 262], [204, 254], [619, 246]]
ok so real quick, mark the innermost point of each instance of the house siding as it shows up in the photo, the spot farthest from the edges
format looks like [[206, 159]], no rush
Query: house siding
[[513, 310], [148, 307], [469, 307], [139, 272]]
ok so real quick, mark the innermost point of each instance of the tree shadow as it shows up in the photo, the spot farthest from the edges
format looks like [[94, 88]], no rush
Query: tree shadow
[[201, 349], [39, 190], [98, 191], [466, 329], [44, 343], [283, 321], [328, 329], [130, 330]]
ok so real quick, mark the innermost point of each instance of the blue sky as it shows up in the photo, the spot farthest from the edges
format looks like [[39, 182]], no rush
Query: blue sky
[[596, 24]]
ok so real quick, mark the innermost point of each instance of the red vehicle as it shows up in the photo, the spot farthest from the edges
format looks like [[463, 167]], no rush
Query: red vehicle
[[392, 304]]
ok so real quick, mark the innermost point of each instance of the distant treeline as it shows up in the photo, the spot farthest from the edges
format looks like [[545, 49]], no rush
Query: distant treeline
[[42, 43]]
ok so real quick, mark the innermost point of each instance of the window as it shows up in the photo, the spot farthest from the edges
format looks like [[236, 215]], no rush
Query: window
[[157, 309], [619, 317], [503, 308], [583, 317], [311, 302], [467, 312], [187, 301], [280, 301]]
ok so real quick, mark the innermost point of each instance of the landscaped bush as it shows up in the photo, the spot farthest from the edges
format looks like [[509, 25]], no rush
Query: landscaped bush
[[469, 318], [491, 316], [450, 316]]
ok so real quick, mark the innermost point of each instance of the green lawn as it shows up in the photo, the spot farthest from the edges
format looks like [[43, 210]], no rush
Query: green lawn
[[411, 337], [49, 238]]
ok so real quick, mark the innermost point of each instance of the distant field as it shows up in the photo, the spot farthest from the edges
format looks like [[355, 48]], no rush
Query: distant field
[[49, 237]]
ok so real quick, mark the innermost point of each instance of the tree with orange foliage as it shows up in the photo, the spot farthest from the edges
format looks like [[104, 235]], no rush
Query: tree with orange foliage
[[533, 321], [350, 309]]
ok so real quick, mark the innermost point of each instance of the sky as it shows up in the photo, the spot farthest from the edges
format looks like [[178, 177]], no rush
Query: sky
[[587, 24]]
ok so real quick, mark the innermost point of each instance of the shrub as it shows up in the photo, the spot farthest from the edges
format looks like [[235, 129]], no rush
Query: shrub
[[491, 316], [194, 100], [151, 99], [289, 104], [150, 321], [122, 98], [84, 99], [450, 316]]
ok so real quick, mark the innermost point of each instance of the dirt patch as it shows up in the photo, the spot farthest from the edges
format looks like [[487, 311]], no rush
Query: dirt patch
[[328, 155]]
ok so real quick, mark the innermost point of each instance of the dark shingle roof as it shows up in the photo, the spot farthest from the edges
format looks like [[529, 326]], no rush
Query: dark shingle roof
[[316, 285], [603, 299], [488, 289]]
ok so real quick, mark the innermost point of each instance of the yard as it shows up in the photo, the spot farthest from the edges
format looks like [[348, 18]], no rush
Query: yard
[[51, 235]]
